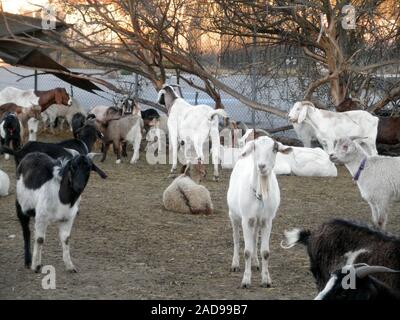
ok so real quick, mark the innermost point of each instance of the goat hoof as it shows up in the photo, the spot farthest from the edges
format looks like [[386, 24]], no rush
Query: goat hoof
[[28, 264], [245, 285], [37, 268], [172, 175], [73, 270], [255, 268], [235, 269], [118, 161], [216, 178], [265, 285]]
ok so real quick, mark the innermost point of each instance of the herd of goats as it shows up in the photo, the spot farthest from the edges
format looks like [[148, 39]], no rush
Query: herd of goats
[[50, 178]]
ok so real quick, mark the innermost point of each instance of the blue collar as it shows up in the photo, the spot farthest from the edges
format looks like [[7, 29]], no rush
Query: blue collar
[[360, 168]]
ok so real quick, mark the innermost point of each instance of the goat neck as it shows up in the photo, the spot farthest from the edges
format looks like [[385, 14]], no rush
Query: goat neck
[[354, 164], [46, 99]]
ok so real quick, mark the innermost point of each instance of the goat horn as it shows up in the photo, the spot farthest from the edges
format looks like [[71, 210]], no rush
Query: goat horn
[[73, 152], [175, 85], [357, 138], [91, 155], [364, 271]]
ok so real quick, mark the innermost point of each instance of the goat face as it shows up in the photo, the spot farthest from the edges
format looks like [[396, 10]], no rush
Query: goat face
[[78, 170], [299, 111], [344, 151], [33, 124], [264, 150]]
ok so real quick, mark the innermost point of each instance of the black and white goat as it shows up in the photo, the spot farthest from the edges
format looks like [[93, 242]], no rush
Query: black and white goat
[[331, 244], [87, 135], [10, 131], [50, 190], [365, 286]]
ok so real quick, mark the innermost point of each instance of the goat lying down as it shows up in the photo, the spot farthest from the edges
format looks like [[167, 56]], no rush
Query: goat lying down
[[50, 190], [303, 162], [184, 195]]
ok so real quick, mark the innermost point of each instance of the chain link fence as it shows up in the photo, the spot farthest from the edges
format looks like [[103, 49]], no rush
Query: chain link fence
[[273, 75]]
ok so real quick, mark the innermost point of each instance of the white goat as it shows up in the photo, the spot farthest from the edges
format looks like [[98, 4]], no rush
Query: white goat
[[253, 200], [191, 125], [377, 177], [304, 162], [4, 184], [329, 126], [59, 110], [22, 98], [33, 125]]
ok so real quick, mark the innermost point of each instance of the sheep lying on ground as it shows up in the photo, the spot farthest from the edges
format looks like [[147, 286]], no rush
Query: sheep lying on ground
[[184, 195]]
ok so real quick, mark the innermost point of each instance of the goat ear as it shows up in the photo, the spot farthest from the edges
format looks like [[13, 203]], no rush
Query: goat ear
[[302, 114], [279, 147], [247, 149], [100, 172], [64, 167]]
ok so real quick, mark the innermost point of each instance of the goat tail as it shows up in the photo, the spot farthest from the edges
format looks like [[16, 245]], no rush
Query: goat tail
[[217, 112], [5, 149], [294, 237]]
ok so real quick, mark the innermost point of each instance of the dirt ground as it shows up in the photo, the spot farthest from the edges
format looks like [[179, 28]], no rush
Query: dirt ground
[[126, 246]]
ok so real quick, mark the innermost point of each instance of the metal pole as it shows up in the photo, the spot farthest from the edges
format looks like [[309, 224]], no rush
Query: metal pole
[[136, 85], [253, 76], [35, 85]]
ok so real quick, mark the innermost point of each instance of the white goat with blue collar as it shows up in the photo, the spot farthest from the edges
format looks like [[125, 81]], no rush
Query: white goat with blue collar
[[377, 177], [253, 200]]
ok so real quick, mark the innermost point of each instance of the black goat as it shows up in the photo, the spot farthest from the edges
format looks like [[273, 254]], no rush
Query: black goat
[[87, 137], [77, 122], [329, 245], [149, 115], [50, 190], [365, 286], [10, 131]]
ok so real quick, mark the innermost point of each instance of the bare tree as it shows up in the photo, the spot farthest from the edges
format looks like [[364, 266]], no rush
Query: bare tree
[[349, 59], [152, 37]]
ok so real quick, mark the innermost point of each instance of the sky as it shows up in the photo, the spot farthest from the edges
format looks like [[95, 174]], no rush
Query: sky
[[16, 6]]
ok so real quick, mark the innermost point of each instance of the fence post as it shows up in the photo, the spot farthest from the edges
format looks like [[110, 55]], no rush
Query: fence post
[[72, 90], [136, 85], [35, 82], [253, 77]]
